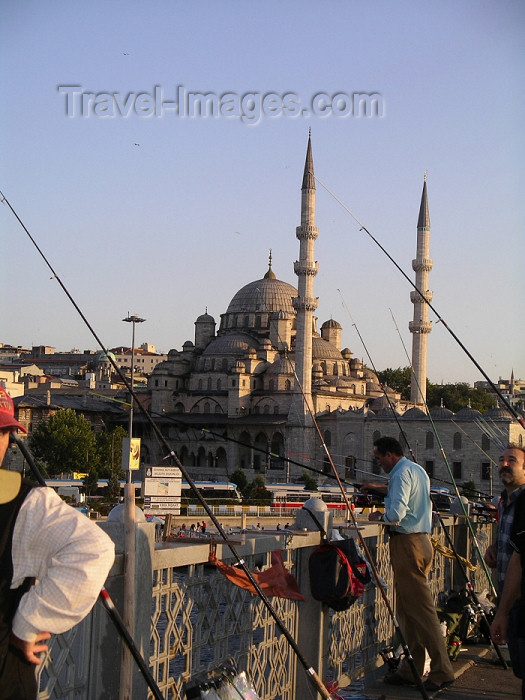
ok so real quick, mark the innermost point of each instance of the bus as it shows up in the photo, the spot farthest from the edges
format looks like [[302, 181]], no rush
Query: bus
[[212, 492], [295, 495]]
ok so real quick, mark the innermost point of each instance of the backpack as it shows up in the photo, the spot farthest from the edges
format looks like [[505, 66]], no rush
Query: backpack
[[464, 625], [338, 574]]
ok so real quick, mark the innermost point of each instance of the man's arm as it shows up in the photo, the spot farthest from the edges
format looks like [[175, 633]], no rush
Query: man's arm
[[370, 487], [511, 593], [70, 557]]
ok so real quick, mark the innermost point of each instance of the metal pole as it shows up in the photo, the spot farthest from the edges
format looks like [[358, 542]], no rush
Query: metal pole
[[126, 671]]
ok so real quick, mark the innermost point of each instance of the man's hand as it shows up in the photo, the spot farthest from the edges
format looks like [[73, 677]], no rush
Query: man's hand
[[371, 487], [498, 628], [491, 556], [376, 515], [31, 649]]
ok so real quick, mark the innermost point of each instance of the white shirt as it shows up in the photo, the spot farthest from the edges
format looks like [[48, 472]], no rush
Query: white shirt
[[70, 557]]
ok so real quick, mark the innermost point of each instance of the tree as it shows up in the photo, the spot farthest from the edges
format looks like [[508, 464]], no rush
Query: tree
[[310, 483], [456, 396], [258, 495], [398, 379], [91, 481], [240, 479], [65, 443], [109, 449]]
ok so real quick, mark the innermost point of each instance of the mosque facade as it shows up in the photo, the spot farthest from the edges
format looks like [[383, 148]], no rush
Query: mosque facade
[[243, 394]]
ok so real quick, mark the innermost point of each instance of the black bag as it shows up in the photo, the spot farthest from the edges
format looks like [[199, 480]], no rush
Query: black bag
[[338, 574]]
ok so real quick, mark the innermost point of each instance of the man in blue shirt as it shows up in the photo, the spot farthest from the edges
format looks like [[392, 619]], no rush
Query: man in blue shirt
[[408, 514]]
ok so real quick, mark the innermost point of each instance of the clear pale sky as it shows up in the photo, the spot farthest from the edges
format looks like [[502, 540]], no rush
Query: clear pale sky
[[180, 222]]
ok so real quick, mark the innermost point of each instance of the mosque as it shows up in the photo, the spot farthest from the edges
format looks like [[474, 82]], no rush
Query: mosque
[[243, 395]]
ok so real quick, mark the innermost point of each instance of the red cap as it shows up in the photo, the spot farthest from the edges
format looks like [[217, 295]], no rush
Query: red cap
[[7, 412]]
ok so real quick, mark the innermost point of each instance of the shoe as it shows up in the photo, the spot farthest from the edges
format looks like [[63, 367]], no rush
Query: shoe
[[431, 685], [396, 679]]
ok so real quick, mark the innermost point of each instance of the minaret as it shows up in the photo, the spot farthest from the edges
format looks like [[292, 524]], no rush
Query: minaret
[[305, 304], [420, 327]]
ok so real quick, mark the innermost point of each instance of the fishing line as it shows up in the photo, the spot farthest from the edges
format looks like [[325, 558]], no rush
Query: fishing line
[[364, 546], [447, 464], [311, 674], [441, 320], [461, 566]]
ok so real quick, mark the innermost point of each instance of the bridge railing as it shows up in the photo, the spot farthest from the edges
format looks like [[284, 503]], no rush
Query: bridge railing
[[190, 619]]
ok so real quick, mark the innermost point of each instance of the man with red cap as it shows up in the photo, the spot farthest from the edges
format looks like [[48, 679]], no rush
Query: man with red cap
[[53, 563]]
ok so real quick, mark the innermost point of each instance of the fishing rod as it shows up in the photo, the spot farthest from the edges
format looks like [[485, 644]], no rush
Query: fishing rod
[[451, 474], [270, 454], [424, 298], [311, 673], [104, 596], [470, 587], [364, 546]]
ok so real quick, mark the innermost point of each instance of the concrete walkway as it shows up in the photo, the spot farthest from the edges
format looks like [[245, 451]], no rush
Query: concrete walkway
[[477, 676]]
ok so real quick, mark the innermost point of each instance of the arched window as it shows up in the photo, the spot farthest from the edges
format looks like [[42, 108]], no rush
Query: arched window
[[209, 383], [207, 407], [259, 458], [485, 442], [287, 385], [220, 459], [277, 448], [219, 384], [199, 385], [245, 450], [429, 441], [328, 438], [271, 385], [456, 441]]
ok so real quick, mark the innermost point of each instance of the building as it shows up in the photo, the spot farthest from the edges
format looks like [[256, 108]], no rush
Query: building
[[260, 376]]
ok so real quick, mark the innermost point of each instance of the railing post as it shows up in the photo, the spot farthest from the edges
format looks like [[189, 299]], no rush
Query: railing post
[[312, 628]]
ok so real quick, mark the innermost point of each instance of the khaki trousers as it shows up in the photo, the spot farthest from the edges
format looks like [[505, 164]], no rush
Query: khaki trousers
[[411, 556]]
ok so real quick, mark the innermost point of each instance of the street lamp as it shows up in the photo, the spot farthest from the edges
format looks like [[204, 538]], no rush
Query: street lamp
[[126, 670], [133, 320]]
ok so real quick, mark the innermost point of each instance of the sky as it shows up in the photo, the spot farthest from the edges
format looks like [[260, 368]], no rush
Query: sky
[[141, 208]]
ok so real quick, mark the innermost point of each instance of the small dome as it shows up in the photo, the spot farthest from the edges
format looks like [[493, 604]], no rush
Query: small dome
[[106, 357], [373, 386], [387, 412], [331, 324], [324, 350], [205, 318], [441, 413], [498, 413], [231, 344], [281, 365], [414, 413], [468, 413]]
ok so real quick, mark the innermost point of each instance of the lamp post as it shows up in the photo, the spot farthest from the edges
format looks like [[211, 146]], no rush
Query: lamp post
[[126, 672]]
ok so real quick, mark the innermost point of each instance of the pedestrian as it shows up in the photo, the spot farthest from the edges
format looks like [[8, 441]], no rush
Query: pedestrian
[[513, 599], [408, 515], [42, 538], [511, 510], [203, 528]]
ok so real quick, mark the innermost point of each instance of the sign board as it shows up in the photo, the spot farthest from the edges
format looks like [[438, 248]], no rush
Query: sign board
[[162, 490], [130, 454], [165, 472]]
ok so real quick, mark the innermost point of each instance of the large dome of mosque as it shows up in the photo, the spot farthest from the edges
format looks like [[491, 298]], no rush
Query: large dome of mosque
[[266, 295]]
